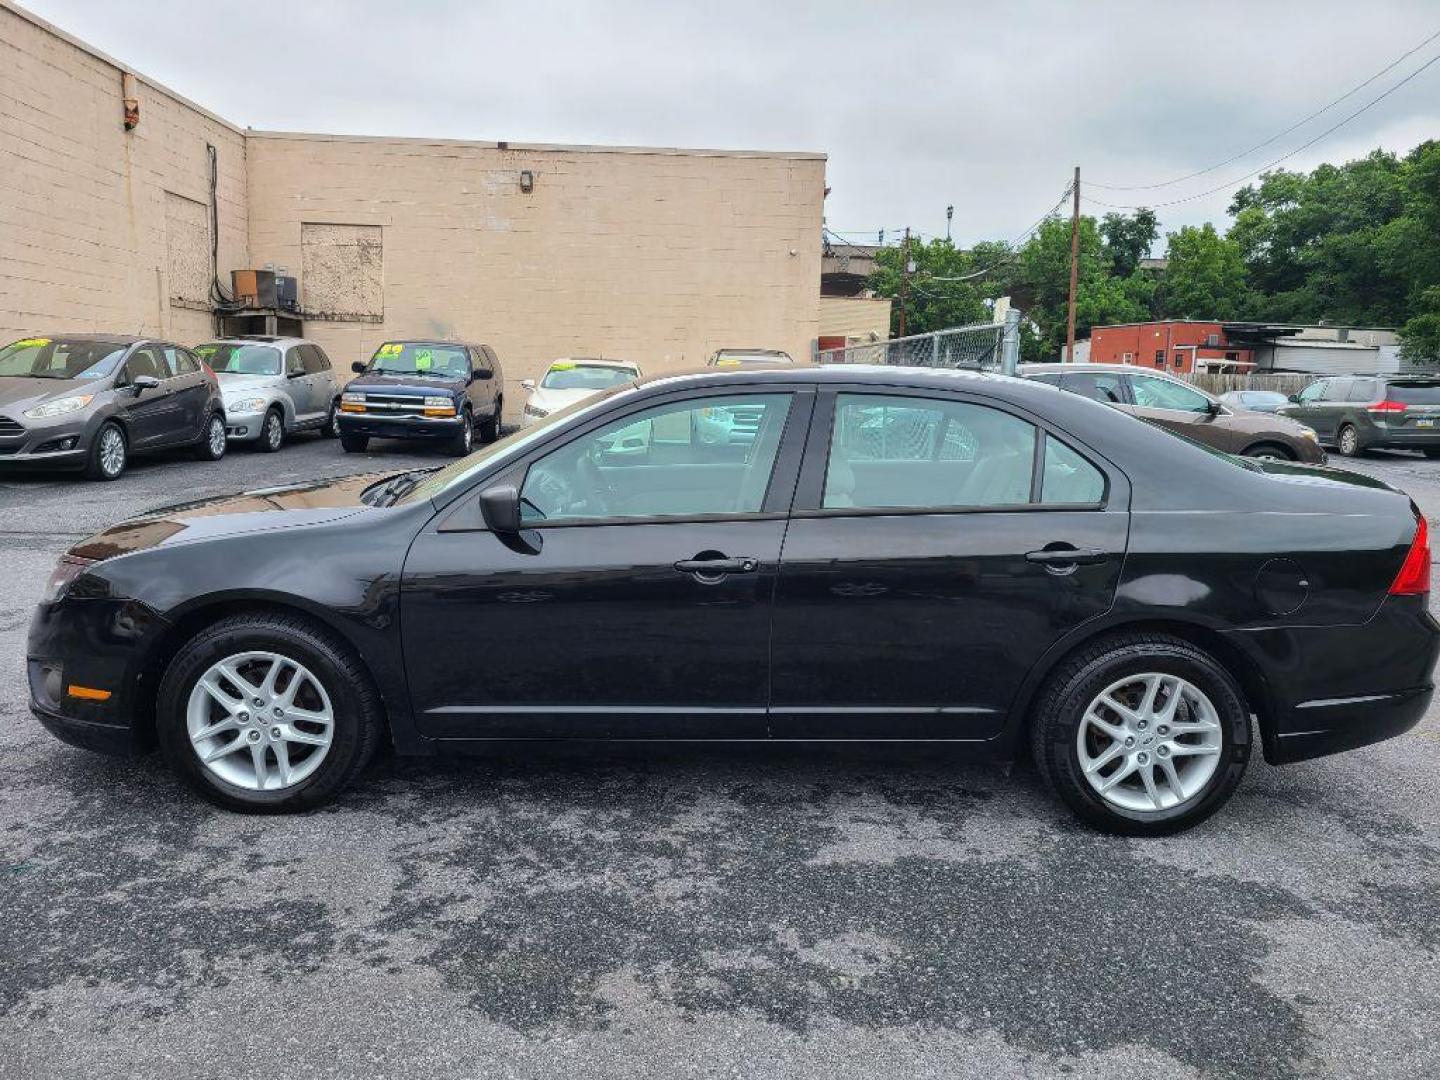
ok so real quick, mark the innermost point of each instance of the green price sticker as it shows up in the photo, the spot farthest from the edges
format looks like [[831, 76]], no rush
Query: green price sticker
[[422, 360]]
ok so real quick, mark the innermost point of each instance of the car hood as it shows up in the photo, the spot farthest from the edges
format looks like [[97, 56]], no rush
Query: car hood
[[1256, 423], [18, 394], [310, 503], [551, 400], [405, 384], [232, 384]]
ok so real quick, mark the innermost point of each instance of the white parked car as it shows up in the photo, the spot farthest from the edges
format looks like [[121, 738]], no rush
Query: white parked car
[[572, 379], [272, 388]]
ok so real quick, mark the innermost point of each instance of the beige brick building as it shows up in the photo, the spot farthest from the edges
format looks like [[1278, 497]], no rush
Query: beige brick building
[[660, 255]]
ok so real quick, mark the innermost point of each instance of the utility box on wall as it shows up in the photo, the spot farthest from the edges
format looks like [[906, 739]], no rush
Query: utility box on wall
[[255, 287]]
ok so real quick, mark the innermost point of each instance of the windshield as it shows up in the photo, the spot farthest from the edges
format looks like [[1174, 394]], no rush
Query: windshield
[[1415, 393], [459, 471], [418, 358], [577, 375], [59, 358], [227, 358]]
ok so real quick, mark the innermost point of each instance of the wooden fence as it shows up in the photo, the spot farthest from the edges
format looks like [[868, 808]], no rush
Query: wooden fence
[[1222, 384]]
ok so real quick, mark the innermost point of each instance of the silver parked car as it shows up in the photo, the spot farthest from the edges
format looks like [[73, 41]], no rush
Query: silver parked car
[[273, 387]]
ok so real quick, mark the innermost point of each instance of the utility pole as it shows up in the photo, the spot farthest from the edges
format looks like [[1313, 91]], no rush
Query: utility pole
[[949, 213], [904, 277], [1074, 268]]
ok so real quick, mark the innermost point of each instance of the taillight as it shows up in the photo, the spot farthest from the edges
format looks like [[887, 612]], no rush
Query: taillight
[[1387, 406], [1414, 576]]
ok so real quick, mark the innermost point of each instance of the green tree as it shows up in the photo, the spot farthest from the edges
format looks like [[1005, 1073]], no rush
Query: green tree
[[1205, 278], [1420, 336], [947, 287], [1129, 238]]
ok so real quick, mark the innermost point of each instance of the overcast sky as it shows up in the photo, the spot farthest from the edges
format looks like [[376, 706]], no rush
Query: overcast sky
[[984, 106]]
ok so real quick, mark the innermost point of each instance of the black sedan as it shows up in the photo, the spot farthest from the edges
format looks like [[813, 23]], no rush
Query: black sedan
[[892, 555]]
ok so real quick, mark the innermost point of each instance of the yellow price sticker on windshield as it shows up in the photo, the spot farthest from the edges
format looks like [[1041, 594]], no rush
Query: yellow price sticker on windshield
[[563, 365], [391, 349], [206, 350], [727, 362], [32, 343], [422, 359]]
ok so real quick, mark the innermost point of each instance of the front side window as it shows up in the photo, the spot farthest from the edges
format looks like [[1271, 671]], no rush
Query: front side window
[[895, 451], [231, 359], [144, 362], [56, 358], [1314, 392], [1152, 393], [294, 365], [683, 459]]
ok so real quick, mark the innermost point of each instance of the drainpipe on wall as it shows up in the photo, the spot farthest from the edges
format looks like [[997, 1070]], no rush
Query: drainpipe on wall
[[131, 102]]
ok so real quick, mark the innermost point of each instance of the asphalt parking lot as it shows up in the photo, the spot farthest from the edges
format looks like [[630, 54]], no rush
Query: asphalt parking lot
[[692, 913]]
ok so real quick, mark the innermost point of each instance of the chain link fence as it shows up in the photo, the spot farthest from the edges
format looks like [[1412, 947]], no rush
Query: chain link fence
[[981, 347]]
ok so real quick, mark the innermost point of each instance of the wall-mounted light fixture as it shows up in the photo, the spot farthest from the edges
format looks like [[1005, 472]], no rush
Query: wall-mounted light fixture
[[527, 181]]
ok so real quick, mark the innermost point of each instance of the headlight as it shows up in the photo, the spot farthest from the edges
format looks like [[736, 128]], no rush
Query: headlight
[[353, 397], [66, 570], [1309, 433], [535, 411], [60, 406], [249, 404], [438, 403]]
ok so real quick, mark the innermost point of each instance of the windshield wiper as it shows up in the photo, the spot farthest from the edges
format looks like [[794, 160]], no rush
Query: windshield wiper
[[400, 484]]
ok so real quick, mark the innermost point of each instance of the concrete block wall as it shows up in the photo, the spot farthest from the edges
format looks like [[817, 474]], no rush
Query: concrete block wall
[[83, 203], [661, 256]]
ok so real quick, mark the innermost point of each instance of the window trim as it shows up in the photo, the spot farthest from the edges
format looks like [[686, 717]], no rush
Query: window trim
[[779, 490], [810, 488]]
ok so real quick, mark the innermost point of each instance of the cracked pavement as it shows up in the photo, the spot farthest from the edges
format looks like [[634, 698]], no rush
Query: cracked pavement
[[691, 912]]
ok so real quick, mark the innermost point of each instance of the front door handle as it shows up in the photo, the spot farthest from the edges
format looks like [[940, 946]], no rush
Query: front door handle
[[1067, 556], [710, 571]]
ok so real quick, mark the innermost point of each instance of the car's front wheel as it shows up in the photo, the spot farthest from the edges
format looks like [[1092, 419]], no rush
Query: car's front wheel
[[354, 444], [464, 439], [267, 713], [1348, 441], [272, 432], [490, 427], [109, 453], [1142, 734]]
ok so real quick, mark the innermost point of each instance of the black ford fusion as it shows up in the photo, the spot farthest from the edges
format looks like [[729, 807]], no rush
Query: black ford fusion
[[895, 555]]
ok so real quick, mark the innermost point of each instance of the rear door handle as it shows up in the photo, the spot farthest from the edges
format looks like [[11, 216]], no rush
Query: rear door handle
[[1067, 556], [711, 570]]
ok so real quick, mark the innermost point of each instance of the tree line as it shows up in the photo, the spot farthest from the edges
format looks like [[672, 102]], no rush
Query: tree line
[[1356, 244]]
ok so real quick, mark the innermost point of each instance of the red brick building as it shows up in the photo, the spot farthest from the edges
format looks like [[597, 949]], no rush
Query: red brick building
[[1177, 345]]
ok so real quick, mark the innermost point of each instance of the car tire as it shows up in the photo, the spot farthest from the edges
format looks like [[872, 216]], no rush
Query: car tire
[[332, 422], [109, 453], [354, 444], [272, 432], [1347, 441], [1431, 452], [213, 439], [464, 441], [334, 684], [1183, 789], [490, 427], [1268, 452]]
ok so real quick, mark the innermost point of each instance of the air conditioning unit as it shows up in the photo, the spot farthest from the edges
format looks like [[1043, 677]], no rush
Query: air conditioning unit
[[255, 287]]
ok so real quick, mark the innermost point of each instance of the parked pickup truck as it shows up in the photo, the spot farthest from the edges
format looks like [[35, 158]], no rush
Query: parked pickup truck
[[440, 390]]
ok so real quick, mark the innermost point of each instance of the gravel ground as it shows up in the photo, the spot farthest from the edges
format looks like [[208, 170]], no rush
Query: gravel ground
[[691, 913]]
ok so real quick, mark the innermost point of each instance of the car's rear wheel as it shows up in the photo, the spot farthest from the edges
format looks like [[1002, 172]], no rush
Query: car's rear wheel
[[267, 713], [490, 427], [332, 422], [1348, 441], [272, 432], [109, 453], [354, 444], [1269, 452], [464, 440], [1142, 734], [211, 446]]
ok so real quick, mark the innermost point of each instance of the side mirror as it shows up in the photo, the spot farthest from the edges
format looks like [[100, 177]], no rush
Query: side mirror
[[1295, 399], [144, 382], [484, 374], [358, 367], [500, 506], [1216, 408], [528, 385]]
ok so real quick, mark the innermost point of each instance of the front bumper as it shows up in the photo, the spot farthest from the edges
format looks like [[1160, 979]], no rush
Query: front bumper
[[243, 427], [399, 427], [62, 442]]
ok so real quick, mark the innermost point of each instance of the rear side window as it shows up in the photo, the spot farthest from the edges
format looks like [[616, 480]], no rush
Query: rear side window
[[1153, 393], [313, 359], [178, 362], [1415, 393], [894, 451], [1338, 389], [1099, 386], [1068, 477]]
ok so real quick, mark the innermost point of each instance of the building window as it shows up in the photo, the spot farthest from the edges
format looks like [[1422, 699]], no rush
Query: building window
[[1179, 360], [1128, 358], [1232, 357], [1213, 340], [1159, 357]]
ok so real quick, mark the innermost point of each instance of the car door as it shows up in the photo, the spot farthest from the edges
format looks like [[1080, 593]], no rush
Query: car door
[[149, 412], [298, 383], [1305, 406], [189, 392], [322, 380], [1181, 408], [938, 546], [636, 602]]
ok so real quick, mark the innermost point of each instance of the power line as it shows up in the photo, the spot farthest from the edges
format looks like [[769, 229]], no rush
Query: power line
[[1274, 138], [1284, 157], [1012, 244]]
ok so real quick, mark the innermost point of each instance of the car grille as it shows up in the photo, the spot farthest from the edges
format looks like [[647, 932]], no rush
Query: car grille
[[10, 427], [393, 403]]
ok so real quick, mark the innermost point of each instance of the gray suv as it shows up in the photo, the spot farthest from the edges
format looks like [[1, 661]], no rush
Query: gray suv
[[1361, 412], [273, 387], [90, 401]]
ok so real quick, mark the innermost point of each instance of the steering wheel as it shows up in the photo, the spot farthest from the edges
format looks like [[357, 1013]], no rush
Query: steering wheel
[[597, 488], [549, 489]]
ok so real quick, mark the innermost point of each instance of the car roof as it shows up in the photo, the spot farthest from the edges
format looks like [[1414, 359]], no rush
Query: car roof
[[881, 375], [1026, 369], [258, 339], [109, 339], [432, 341]]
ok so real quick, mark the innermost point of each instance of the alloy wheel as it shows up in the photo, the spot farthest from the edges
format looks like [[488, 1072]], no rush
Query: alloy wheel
[[215, 436], [274, 430], [260, 721], [1149, 742], [1349, 442], [112, 451]]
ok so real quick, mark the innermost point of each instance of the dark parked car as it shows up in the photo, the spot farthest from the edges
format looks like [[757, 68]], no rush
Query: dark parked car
[[424, 390], [1266, 401], [1356, 413], [91, 401], [896, 555], [1181, 407]]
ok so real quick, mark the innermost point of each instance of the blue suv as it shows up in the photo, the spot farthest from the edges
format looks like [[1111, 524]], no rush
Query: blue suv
[[437, 390]]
